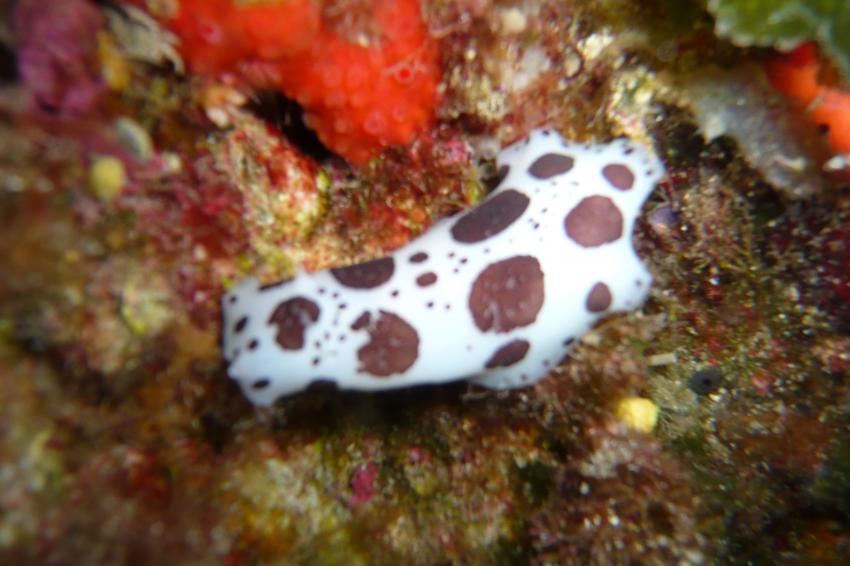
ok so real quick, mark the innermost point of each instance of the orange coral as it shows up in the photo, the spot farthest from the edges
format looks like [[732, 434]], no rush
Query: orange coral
[[798, 75], [363, 86]]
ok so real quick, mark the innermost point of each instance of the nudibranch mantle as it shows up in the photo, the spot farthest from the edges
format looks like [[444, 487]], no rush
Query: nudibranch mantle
[[496, 294]]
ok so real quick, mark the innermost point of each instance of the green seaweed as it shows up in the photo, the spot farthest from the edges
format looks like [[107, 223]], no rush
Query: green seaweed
[[786, 23]]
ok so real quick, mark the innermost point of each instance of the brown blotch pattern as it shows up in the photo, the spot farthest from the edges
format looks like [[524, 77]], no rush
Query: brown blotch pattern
[[551, 164], [507, 294], [599, 298], [240, 324], [509, 354], [362, 321], [367, 275], [418, 257], [594, 221], [292, 318], [393, 345], [619, 176], [426, 279], [490, 217]]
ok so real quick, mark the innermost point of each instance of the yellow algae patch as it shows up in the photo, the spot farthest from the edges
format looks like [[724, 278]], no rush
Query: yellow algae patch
[[638, 413], [106, 177], [113, 66]]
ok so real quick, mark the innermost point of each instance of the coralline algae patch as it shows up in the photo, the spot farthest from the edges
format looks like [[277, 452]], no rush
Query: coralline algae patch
[[498, 294], [366, 76], [61, 79]]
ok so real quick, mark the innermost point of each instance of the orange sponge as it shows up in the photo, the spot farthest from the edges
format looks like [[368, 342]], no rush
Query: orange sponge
[[361, 91], [797, 75]]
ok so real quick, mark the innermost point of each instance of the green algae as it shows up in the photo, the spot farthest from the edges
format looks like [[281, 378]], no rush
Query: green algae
[[786, 23]]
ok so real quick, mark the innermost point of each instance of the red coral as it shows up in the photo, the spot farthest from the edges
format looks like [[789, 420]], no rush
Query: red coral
[[364, 86]]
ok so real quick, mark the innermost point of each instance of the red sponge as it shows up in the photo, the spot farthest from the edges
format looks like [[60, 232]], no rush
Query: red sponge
[[362, 88], [798, 75]]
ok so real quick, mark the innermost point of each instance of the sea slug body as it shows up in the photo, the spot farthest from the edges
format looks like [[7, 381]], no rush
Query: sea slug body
[[496, 294]]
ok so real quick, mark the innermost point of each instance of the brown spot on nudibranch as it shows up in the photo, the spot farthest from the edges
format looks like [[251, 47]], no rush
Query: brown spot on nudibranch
[[619, 176], [491, 217], [599, 298], [393, 344], [426, 279], [418, 257], [551, 164], [507, 294], [292, 318], [362, 321], [509, 354], [366, 275], [594, 221], [240, 324]]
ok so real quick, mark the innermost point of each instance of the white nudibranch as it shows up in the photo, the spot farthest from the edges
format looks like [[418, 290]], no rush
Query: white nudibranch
[[496, 294]]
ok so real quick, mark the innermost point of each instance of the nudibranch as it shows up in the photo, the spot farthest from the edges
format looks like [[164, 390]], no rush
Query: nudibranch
[[496, 294]]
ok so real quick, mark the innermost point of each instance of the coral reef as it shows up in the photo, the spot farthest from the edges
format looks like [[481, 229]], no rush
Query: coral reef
[[136, 187]]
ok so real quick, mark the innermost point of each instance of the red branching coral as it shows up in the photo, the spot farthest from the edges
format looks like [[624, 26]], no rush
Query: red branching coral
[[366, 74]]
